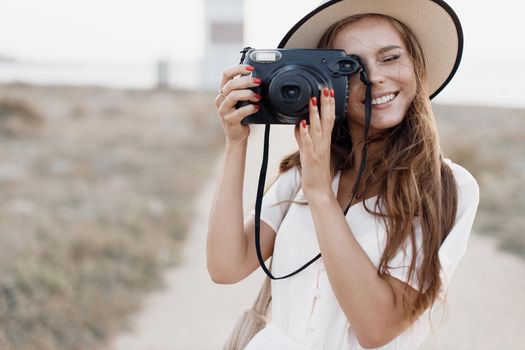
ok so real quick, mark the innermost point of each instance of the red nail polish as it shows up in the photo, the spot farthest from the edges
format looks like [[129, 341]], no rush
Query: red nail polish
[[314, 101], [303, 123], [326, 93], [257, 106], [257, 81], [257, 96], [332, 92], [249, 68]]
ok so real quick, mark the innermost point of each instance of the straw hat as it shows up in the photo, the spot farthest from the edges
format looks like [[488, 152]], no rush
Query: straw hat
[[435, 25]]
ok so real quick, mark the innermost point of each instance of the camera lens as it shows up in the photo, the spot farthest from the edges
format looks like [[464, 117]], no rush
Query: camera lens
[[290, 93]]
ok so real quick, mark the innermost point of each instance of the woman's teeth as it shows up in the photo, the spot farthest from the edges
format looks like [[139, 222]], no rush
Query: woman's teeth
[[384, 99]]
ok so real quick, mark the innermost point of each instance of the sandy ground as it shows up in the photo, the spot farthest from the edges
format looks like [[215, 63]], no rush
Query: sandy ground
[[486, 296]]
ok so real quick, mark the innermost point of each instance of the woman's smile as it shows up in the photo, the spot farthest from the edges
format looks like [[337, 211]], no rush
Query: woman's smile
[[383, 101]]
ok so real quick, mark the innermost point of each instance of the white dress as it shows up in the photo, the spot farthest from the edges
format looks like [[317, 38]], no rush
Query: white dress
[[305, 311]]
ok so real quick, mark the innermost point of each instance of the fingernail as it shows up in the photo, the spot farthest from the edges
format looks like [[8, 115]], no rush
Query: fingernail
[[257, 96], [314, 101], [332, 92], [249, 68], [257, 81], [303, 123], [326, 92], [257, 106]]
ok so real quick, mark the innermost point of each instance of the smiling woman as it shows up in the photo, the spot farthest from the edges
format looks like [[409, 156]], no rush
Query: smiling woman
[[387, 259]]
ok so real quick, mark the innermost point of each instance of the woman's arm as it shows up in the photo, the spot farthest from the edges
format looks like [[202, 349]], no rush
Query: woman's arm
[[226, 242], [228, 237], [376, 314]]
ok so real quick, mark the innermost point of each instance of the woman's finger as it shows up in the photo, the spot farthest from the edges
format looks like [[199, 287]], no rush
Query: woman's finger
[[326, 110], [228, 76], [240, 83], [218, 100], [228, 103], [233, 71], [325, 105], [306, 140], [332, 106], [236, 116], [316, 131], [328, 115]]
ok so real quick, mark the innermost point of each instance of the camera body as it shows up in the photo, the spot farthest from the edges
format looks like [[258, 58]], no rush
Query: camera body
[[291, 77]]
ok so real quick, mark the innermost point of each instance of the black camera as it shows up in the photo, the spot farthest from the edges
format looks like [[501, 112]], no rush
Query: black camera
[[291, 77]]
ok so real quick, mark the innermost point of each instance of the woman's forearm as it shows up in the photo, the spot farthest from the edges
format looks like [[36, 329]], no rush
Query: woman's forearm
[[365, 298], [226, 242]]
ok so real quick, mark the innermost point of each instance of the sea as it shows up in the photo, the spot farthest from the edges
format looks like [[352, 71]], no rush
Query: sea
[[499, 84]]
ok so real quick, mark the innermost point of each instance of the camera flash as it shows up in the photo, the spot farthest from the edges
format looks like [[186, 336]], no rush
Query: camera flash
[[264, 56]]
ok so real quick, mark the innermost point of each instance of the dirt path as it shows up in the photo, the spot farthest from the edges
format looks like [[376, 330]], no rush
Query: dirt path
[[486, 297], [486, 301]]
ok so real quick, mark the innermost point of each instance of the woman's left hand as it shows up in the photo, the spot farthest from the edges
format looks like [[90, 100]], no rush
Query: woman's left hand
[[314, 146]]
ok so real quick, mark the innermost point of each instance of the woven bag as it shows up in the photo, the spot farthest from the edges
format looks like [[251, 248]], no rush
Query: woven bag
[[251, 321]]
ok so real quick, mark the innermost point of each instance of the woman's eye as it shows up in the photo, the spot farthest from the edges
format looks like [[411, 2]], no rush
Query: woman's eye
[[391, 58]]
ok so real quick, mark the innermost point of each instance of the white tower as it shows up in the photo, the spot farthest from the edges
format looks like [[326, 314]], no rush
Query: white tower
[[223, 20]]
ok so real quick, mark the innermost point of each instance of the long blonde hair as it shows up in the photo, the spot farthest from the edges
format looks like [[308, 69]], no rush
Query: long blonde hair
[[412, 179]]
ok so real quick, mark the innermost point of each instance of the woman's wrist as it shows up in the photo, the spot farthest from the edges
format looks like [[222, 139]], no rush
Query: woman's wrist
[[235, 145], [321, 197]]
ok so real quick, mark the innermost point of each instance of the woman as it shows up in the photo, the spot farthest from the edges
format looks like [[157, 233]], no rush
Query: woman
[[390, 258]]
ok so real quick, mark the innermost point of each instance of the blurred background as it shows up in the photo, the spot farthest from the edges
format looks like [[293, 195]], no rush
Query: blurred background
[[108, 136]]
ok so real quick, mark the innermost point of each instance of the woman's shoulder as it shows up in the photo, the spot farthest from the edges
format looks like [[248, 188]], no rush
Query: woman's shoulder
[[461, 175], [288, 178], [468, 188], [292, 174]]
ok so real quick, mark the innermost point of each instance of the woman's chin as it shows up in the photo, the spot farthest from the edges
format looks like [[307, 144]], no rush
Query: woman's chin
[[378, 123], [383, 123], [383, 126]]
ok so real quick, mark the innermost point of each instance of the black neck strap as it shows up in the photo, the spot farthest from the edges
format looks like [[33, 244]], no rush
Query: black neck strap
[[262, 179], [368, 117], [258, 203]]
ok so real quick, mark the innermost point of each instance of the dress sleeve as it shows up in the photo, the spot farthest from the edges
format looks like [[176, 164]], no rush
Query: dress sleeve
[[455, 245], [276, 200]]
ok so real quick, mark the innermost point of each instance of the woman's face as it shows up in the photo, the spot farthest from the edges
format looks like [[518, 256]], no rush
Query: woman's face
[[389, 68]]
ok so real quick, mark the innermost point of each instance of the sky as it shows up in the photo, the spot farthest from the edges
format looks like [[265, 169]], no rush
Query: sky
[[130, 33], [125, 31], [138, 31]]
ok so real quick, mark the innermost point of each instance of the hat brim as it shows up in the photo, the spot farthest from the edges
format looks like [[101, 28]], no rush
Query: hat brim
[[433, 22]]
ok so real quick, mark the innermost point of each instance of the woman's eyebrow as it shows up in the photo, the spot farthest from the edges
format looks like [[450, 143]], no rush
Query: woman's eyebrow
[[388, 48]]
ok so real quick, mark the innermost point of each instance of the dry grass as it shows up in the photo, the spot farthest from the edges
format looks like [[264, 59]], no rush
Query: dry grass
[[490, 143], [96, 188]]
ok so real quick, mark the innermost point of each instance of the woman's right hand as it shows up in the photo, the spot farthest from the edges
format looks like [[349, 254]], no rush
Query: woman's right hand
[[235, 84]]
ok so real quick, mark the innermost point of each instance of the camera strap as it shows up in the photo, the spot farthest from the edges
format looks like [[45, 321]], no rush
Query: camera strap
[[368, 117], [264, 166], [258, 204]]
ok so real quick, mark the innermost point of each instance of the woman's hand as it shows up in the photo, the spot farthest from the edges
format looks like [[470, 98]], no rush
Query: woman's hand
[[314, 146], [235, 85]]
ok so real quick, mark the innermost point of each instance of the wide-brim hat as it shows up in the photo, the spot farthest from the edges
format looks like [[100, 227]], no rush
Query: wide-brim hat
[[433, 22]]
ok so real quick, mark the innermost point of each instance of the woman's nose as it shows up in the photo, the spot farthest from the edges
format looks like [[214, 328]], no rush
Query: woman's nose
[[375, 73]]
